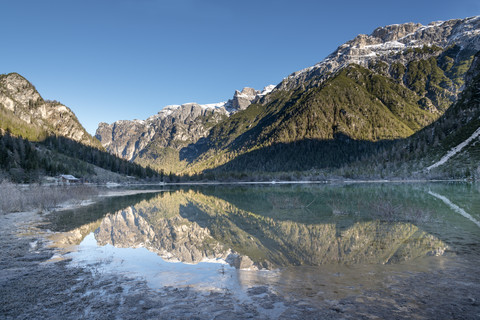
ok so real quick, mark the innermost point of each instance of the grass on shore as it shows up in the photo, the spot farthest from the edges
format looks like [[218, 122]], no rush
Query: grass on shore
[[17, 198]]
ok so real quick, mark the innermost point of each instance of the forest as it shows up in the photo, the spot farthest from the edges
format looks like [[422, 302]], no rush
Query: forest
[[25, 161]]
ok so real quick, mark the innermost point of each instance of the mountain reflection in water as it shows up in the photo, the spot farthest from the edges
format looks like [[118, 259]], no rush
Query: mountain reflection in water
[[262, 228]]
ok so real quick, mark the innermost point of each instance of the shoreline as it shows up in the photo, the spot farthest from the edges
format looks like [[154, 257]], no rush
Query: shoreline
[[112, 186], [284, 182], [105, 191]]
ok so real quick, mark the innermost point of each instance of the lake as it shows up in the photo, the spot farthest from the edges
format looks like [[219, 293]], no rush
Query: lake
[[375, 247]]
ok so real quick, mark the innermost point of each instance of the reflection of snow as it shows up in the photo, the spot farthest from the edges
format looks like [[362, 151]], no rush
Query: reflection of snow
[[455, 150], [455, 207]]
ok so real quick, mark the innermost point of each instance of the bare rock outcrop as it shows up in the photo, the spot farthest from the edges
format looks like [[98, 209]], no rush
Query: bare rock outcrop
[[174, 126], [19, 97]]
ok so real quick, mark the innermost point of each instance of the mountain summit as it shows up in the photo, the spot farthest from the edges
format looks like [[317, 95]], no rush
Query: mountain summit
[[384, 43]]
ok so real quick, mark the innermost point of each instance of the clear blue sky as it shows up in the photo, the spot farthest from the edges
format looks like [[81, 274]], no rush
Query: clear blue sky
[[110, 60]]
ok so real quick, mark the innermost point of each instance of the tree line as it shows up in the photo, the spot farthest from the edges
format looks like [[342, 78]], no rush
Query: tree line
[[22, 160]]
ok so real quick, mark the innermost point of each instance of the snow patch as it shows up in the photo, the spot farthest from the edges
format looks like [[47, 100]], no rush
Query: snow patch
[[454, 150], [267, 90], [213, 105], [170, 108], [455, 207], [243, 95], [386, 46]]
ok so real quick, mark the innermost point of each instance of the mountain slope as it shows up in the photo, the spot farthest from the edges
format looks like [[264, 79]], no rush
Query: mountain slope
[[454, 140], [384, 42], [25, 113], [161, 140], [448, 148], [368, 90], [372, 90]]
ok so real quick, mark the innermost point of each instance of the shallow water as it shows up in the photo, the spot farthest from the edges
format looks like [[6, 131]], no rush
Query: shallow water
[[314, 242]]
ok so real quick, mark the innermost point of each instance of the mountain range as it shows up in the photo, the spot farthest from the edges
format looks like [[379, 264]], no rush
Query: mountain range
[[393, 102], [161, 137], [383, 86]]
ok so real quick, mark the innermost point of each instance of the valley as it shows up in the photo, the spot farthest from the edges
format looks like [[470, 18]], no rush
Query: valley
[[347, 190], [363, 112]]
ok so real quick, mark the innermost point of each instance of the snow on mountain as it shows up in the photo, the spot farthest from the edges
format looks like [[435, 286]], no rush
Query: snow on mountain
[[241, 100], [213, 105], [267, 90], [173, 125], [455, 150], [384, 42]]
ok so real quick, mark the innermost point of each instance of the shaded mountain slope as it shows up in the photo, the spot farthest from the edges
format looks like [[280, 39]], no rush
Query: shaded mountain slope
[[362, 104]]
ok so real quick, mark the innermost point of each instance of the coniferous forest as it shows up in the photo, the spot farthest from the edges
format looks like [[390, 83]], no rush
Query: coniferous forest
[[26, 161]]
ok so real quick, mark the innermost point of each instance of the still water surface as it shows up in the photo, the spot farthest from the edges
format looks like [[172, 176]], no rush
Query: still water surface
[[308, 241]]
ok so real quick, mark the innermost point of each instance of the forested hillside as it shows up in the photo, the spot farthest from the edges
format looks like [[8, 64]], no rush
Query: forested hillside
[[40, 137], [419, 155], [22, 160], [348, 116]]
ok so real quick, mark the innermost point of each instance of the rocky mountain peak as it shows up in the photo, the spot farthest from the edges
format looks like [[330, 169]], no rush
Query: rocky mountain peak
[[395, 31], [249, 92], [386, 42], [242, 99], [174, 126], [18, 89]]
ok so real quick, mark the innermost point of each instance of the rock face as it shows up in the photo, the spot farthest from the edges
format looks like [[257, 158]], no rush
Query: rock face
[[385, 42], [21, 101], [174, 127], [242, 99]]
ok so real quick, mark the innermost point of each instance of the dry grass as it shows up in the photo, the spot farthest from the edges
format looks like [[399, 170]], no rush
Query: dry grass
[[15, 198]]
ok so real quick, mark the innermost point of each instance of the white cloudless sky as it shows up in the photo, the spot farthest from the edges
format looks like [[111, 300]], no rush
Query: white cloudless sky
[[113, 60]]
